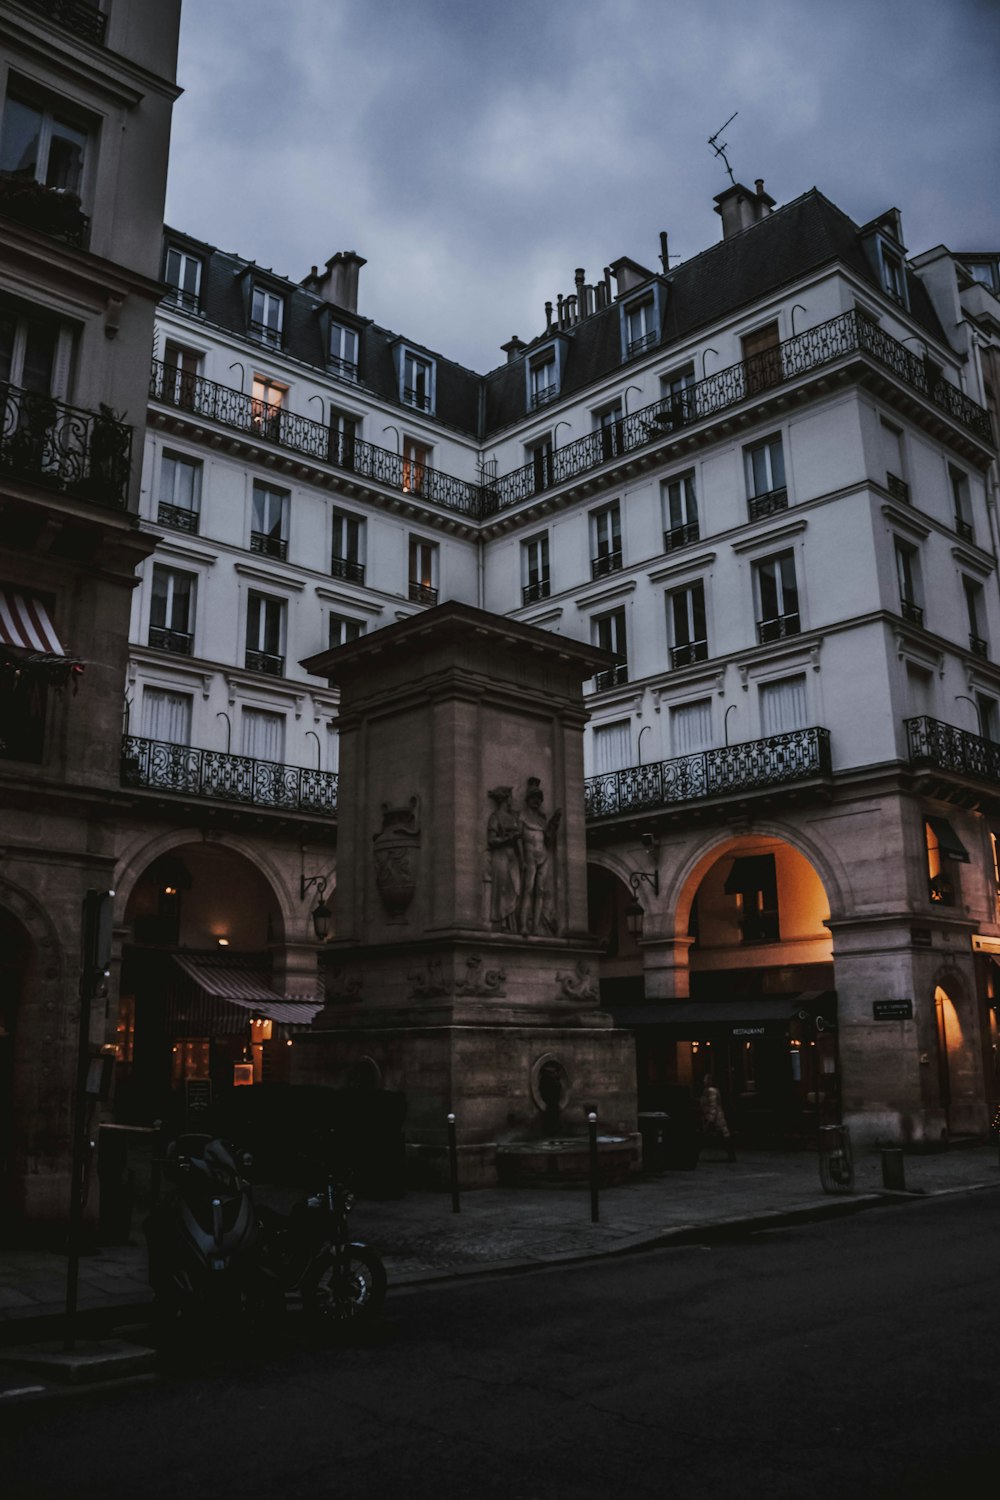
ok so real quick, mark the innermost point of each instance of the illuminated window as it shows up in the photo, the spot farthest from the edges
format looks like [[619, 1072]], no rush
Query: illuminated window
[[944, 850], [761, 359], [416, 456], [753, 882], [265, 410]]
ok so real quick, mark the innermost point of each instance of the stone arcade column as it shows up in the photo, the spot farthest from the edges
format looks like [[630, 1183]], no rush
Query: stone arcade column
[[462, 965]]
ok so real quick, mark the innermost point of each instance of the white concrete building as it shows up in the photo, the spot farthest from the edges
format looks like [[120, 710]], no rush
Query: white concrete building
[[765, 479]]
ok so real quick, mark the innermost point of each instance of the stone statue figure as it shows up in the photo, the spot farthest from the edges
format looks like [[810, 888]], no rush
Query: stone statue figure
[[537, 910], [503, 839]]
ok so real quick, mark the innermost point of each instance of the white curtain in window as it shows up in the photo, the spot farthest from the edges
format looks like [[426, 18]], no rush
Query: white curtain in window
[[332, 748], [263, 734], [783, 704], [692, 726], [166, 716], [613, 746]]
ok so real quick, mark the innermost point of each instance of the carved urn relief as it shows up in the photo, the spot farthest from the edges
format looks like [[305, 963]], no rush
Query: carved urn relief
[[397, 857]]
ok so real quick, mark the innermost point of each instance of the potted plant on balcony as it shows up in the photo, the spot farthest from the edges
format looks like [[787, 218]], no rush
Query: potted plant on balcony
[[54, 211]]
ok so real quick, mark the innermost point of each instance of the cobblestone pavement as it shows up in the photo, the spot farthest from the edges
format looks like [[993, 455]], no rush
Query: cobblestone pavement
[[420, 1237]]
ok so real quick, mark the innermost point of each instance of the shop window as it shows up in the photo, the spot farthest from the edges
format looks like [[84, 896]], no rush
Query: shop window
[[944, 851]]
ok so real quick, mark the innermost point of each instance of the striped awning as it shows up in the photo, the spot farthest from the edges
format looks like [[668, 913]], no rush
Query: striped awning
[[26, 624], [222, 994]]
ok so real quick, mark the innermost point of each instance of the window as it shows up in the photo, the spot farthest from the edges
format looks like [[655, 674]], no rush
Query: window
[[180, 492], [266, 406], [640, 326], [181, 374], [266, 316], [540, 457], [270, 516], [907, 576], [418, 381], [182, 272], [612, 747], [39, 143], [343, 438], [688, 631], [762, 359], [608, 423], [691, 726], [893, 274], [423, 571], [960, 502], [986, 708], [985, 272], [944, 850], [171, 611], [680, 512], [609, 634], [765, 473], [975, 606], [753, 881], [678, 398], [344, 351], [605, 540], [347, 559], [543, 378], [416, 456], [777, 597], [265, 634], [166, 716], [263, 735], [343, 629], [892, 448], [535, 569], [783, 705]]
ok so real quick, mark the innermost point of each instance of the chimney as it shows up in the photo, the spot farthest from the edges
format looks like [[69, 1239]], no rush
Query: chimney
[[628, 274], [741, 209], [513, 348], [664, 252], [339, 282]]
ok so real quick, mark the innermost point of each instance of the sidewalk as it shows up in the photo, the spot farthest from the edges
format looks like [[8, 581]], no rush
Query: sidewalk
[[421, 1239]]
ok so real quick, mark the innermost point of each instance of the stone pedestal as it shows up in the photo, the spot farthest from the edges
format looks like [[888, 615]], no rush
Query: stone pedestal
[[462, 966]]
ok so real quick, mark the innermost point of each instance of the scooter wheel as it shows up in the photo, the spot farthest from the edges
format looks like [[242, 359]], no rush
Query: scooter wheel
[[350, 1293]]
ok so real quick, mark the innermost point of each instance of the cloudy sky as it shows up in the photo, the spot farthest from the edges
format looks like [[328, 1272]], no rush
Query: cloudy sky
[[477, 151]]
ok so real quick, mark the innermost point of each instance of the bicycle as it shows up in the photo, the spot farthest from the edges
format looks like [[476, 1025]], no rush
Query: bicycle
[[836, 1160]]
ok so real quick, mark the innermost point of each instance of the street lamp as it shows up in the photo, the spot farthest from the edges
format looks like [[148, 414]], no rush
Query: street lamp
[[322, 916]]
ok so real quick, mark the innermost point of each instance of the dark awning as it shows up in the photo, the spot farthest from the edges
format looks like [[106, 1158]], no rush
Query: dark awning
[[949, 843], [690, 1019], [226, 994], [750, 872]]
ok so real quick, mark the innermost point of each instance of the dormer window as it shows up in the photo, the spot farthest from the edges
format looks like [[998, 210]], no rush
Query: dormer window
[[417, 382], [893, 275], [543, 378], [640, 332], [266, 316], [344, 351], [183, 274]]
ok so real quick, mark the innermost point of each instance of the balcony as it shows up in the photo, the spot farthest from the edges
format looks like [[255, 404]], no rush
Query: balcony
[[778, 628], [266, 662], [689, 653], [80, 453], [177, 517], [532, 592], [898, 488], [268, 545], [964, 529], [680, 536], [265, 333], [81, 17], [978, 646], [544, 397], [342, 567], [756, 765], [415, 396], [946, 755], [641, 344], [157, 766], [180, 642], [422, 593], [759, 506], [55, 212], [912, 613], [270, 423], [604, 563], [616, 676], [189, 301]]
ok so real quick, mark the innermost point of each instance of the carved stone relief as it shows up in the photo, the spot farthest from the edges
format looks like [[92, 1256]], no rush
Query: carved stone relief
[[579, 985], [344, 986], [522, 848], [397, 857]]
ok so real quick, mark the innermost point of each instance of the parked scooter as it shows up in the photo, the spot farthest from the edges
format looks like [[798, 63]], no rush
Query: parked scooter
[[308, 1257], [202, 1236]]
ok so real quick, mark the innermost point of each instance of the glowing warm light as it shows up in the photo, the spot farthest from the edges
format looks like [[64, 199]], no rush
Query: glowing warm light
[[223, 942]]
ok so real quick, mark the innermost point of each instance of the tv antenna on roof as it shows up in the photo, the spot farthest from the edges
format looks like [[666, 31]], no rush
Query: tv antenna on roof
[[721, 150]]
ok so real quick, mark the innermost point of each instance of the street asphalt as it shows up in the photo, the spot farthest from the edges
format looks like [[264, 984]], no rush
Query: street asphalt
[[422, 1239]]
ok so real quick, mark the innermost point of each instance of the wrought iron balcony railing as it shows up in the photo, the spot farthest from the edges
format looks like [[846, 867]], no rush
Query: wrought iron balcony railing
[[898, 488], [690, 652], [964, 529], [180, 642], [616, 676], [755, 765], [604, 563], [759, 506], [54, 212], [946, 748], [265, 661], [680, 536], [84, 454], [177, 517], [161, 767], [912, 612], [778, 628], [268, 545], [422, 593], [978, 646], [82, 17], [848, 334], [343, 567], [532, 592], [274, 424]]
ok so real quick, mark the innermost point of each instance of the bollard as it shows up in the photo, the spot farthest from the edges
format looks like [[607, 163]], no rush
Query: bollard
[[456, 1207], [893, 1171], [595, 1210]]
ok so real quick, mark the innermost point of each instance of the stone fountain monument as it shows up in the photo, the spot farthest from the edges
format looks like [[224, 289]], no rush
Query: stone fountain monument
[[461, 972]]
